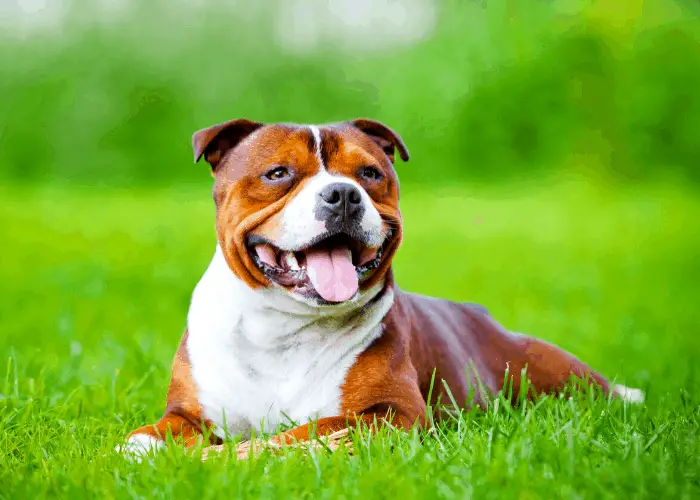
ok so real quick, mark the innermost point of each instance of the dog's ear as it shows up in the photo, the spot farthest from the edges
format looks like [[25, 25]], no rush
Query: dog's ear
[[383, 136], [214, 142]]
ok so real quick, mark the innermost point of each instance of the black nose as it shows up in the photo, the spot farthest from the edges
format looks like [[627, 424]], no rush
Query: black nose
[[341, 199]]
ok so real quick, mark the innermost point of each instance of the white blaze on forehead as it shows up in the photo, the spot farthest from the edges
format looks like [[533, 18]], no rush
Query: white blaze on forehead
[[299, 223], [316, 132]]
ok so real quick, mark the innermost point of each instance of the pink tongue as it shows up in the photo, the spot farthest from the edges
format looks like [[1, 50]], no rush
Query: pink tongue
[[331, 273]]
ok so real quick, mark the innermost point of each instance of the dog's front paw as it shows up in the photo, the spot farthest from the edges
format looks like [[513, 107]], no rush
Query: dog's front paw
[[629, 394], [139, 446]]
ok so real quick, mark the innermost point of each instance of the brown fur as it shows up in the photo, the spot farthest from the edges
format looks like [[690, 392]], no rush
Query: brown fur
[[459, 343], [183, 414]]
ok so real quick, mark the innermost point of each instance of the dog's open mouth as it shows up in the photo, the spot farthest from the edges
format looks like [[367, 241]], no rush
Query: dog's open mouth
[[331, 268]]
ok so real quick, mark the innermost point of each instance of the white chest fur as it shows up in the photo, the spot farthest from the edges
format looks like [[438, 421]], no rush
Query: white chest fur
[[259, 358]]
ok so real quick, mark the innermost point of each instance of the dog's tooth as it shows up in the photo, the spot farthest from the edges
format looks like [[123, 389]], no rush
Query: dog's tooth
[[291, 261]]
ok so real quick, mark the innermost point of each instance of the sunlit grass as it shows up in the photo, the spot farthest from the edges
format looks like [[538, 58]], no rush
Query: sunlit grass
[[95, 289]]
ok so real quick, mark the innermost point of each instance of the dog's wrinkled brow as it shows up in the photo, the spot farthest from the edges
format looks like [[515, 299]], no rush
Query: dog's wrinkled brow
[[330, 144]]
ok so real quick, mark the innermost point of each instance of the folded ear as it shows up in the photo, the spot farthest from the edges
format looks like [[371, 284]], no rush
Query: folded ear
[[383, 136], [214, 142]]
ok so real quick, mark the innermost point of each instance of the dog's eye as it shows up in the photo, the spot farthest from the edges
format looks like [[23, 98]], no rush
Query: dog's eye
[[277, 174], [370, 173]]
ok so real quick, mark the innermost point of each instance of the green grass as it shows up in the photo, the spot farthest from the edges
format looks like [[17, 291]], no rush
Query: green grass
[[95, 289]]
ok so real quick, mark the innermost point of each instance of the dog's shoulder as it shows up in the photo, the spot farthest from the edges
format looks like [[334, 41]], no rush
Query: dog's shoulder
[[434, 304]]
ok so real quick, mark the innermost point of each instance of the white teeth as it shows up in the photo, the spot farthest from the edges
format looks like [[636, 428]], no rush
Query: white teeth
[[291, 261], [349, 254]]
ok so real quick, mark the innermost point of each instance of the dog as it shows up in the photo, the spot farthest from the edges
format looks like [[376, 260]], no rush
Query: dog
[[298, 319]]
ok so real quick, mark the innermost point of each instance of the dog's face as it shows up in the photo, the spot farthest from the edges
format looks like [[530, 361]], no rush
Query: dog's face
[[311, 210]]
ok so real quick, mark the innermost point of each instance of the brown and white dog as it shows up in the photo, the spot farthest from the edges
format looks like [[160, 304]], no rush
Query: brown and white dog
[[298, 318]]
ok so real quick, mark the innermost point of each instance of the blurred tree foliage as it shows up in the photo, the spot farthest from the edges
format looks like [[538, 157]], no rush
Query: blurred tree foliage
[[499, 89]]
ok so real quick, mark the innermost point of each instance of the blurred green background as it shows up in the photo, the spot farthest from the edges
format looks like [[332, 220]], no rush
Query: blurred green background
[[109, 91], [553, 178]]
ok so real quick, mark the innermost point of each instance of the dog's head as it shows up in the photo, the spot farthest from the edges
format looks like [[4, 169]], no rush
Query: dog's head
[[312, 210]]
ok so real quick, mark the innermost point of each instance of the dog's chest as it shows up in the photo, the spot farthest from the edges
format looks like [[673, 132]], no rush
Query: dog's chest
[[256, 367], [240, 389], [243, 385]]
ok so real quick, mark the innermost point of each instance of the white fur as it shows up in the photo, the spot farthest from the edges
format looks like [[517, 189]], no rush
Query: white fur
[[258, 355], [261, 358], [629, 394], [299, 223], [317, 139], [139, 446]]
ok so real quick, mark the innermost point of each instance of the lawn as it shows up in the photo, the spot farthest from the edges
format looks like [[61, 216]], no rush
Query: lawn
[[95, 289]]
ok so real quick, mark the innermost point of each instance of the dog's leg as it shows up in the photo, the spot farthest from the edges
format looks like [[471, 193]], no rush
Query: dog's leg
[[550, 368], [152, 437], [330, 425], [331, 430], [183, 413]]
